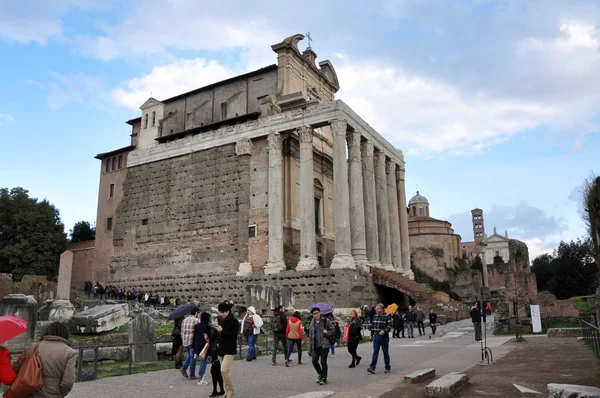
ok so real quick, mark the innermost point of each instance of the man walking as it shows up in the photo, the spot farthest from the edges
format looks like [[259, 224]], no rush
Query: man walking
[[396, 325], [432, 320], [187, 336], [380, 335], [319, 333], [229, 329], [278, 325], [410, 319], [476, 319], [419, 317]]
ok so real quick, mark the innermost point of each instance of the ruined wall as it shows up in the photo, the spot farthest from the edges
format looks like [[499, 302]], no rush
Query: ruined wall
[[84, 261], [551, 307], [341, 288], [37, 286], [467, 284], [182, 216], [432, 252]]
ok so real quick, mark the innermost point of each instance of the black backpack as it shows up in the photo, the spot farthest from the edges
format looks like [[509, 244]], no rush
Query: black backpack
[[276, 326]]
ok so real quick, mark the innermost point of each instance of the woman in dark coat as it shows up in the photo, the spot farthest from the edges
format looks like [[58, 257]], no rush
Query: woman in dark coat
[[215, 367], [355, 336], [177, 350]]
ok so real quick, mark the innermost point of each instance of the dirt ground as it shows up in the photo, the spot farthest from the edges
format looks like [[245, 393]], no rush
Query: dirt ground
[[533, 363]]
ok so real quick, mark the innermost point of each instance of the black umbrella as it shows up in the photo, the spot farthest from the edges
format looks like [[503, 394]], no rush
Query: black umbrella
[[182, 311]]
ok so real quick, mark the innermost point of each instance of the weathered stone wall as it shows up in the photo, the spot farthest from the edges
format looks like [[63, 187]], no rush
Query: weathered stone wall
[[551, 307], [467, 284], [84, 261], [341, 288], [37, 286], [181, 216], [431, 253]]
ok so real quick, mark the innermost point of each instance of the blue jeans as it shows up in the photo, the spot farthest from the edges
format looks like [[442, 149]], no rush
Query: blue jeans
[[291, 343], [202, 366], [190, 360], [251, 343], [333, 349], [384, 343]]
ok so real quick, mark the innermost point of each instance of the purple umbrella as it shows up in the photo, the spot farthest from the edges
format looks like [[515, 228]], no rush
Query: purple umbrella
[[325, 308]]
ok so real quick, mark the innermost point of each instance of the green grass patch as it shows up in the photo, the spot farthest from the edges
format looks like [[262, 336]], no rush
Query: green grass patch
[[557, 323], [122, 368], [582, 306]]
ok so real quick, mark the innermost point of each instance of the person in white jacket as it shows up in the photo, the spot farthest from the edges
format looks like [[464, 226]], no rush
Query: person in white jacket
[[251, 325]]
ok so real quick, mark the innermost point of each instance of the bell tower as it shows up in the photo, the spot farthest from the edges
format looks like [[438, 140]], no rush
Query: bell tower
[[478, 226]]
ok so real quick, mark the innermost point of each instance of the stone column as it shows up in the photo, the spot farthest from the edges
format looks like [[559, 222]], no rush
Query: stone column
[[275, 263], [357, 208], [393, 212], [243, 149], [404, 242], [383, 216], [308, 243], [341, 207], [368, 175]]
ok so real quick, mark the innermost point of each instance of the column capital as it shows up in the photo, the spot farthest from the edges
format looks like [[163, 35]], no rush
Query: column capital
[[367, 149], [305, 134], [400, 172], [338, 126], [390, 166], [274, 141], [243, 148], [380, 158], [353, 137]]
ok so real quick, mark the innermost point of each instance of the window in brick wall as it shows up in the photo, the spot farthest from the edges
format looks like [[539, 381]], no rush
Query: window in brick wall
[[223, 110], [251, 231], [120, 161], [109, 222], [145, 221], [107, 165], [111, 193], [114, 164]]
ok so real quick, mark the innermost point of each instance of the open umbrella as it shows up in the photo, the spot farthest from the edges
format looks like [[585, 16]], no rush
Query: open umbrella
[[390, 309], [182, 311], [11, 327], [325, 308]]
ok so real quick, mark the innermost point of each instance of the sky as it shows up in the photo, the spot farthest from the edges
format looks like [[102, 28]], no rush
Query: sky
[[495, 104]]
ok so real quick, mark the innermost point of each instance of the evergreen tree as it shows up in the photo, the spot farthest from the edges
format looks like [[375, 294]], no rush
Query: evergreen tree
[[82, 231]]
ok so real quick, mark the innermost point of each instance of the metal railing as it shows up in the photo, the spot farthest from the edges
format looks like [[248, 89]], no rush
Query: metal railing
[[591, 336]]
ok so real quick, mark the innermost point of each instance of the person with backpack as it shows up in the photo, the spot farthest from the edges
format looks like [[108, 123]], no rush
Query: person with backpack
[[251, 325], [278, 325], [57, 359], [380, 335], [354, 337], [320, 337], [294, 334], [337, 332]]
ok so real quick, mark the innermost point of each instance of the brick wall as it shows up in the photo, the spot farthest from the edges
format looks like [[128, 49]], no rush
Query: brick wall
[[37, 286]]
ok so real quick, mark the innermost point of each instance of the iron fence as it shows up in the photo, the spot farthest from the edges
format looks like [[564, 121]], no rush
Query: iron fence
[[591, 336]]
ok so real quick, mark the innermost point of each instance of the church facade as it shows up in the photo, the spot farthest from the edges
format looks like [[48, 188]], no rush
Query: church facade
[[262, 174]]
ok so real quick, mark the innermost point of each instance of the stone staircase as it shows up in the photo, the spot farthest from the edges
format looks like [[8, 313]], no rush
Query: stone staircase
[[423, 295]]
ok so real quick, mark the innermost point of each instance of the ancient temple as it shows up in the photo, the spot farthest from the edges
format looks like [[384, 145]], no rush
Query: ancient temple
[[262, 175]]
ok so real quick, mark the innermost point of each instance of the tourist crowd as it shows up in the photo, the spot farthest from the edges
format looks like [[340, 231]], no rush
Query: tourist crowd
[[114, 293]]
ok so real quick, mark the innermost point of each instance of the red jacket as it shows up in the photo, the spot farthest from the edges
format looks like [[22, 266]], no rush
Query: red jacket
[[295, 327], [7, 374]]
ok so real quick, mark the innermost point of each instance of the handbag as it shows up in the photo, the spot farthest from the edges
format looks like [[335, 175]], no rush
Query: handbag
[[204, 351], [179, 355], [29, 379], [347, 332]]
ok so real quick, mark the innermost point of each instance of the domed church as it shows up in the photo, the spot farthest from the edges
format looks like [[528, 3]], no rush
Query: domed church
[[433, 243]]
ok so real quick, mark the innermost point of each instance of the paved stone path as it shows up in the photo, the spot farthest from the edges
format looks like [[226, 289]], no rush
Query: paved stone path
[[452, 349]]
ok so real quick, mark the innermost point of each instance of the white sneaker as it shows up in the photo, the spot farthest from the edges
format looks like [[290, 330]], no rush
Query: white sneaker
[[203, 382]]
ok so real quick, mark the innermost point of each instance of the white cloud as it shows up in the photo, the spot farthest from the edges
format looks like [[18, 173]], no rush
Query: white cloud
[[170, 80], [537, 246], [79, 88], [6, 117]]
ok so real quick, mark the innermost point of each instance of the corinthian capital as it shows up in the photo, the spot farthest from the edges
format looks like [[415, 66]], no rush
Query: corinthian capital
[[380, 159], [400, 173], [353, 138], [305, 134], [367, 148], [390, 166], [274, 142], [338, 126]]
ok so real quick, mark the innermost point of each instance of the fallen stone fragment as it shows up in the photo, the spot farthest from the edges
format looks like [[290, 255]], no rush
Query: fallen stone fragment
[[420, 376], [447, 386], [526, 391], [572, 391]]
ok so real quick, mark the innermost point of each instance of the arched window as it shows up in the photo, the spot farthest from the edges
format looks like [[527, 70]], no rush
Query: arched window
[[414, 210], [420, 211], [146, 121], [114, 163], [120, 161], [153, 118]]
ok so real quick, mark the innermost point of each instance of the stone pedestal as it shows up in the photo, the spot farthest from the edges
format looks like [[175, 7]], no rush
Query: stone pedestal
[[63, 289], [56, 310], [141, 335], [24, 307]]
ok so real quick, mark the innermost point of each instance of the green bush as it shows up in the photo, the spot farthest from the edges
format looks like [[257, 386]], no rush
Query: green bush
[[443, 286]]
